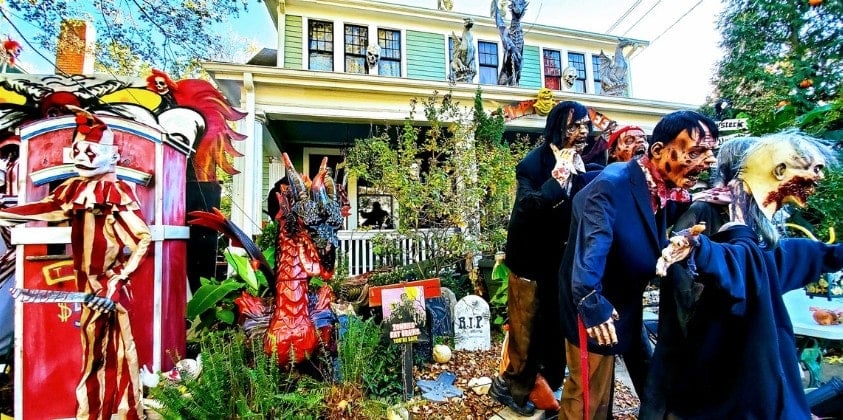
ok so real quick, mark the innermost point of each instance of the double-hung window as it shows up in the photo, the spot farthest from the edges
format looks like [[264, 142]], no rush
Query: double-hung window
[[356, 40], [390, 43], [320, 45]]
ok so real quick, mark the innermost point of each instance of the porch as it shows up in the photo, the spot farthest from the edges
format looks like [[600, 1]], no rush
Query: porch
[[357, 248]]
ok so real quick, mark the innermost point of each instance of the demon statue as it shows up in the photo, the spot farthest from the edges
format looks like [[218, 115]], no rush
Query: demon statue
[[464, 56], [309, 216], [613, 73], [512, 40]]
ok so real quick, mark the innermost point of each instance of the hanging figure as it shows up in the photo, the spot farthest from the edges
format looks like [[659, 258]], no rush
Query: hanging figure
[[512, 40], [105, 219]]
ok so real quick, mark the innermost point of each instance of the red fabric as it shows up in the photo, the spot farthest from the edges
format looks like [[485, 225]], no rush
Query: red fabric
[[583, 365]]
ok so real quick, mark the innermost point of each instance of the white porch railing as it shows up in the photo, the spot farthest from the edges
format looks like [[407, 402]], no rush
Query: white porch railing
[[357, 248]]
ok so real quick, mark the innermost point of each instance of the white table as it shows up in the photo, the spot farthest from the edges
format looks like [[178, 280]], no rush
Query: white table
[[797, 303]]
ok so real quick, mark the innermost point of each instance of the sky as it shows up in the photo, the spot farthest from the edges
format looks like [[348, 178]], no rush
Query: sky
[[676, 67]]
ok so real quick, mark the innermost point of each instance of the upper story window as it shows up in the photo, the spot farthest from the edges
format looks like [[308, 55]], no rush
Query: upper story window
[[552, 69], [577, 61], [320, 45], [390, 43], [487, 54], [595, 66], [356, 40]]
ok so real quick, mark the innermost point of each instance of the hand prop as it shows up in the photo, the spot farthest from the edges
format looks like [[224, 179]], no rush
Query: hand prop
[[605, 333], [680, 247], [568, 162]]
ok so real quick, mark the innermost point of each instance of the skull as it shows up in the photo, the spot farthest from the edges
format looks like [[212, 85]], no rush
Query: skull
[[373, 54], [569, 76], [161, 85]]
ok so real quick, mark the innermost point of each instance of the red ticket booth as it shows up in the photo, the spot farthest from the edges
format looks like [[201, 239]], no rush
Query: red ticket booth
[[47, 337]]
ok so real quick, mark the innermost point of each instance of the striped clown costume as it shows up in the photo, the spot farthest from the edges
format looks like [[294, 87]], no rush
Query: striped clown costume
[[105, 219]]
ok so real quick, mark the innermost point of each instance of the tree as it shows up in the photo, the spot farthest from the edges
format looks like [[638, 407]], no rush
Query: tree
[[781, 59], [172, 35]]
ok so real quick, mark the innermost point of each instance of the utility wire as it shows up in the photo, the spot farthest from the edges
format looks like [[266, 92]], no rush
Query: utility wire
[[642, 17], [677, 21], [623, 16]]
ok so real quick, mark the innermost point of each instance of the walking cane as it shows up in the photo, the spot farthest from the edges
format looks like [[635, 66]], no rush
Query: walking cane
[[583, 365]]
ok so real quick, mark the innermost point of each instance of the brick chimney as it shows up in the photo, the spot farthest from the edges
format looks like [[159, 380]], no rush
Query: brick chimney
[[75, 50]]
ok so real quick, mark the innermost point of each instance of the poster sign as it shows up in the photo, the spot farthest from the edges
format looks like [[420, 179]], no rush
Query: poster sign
[[403, 313]]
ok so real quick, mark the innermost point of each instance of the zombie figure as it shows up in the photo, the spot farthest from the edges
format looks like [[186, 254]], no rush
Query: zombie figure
[[105, 219], [616, 235], [547, 179], [627, 143], [512, 40], [737, 324]]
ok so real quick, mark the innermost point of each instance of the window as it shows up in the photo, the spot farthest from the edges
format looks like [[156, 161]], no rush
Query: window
[[488, 59], [356, 40], [390, 43], [595, 65], [577, 61], [321, 45], [552, 70]]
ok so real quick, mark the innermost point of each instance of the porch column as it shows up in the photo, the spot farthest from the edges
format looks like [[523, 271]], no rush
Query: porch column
[[246, 199], [280, 30]]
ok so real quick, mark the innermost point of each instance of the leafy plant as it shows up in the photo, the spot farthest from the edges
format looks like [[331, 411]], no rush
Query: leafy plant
[[239, 380]]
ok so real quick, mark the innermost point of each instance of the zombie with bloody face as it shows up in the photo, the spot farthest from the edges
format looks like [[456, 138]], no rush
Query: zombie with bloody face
[[616, 235], [627, 143], [105, 219], [738, 325], [547, 178]]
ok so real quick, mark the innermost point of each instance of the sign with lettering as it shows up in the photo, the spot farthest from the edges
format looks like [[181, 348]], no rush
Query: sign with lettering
[[471, 324], [403, 313], [735, 124]]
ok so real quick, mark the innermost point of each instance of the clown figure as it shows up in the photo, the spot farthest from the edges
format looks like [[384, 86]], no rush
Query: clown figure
[[105, 219]]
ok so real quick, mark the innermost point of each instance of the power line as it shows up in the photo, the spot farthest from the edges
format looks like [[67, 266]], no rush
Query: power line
[[642, 17], [623, 16], [674, 23]]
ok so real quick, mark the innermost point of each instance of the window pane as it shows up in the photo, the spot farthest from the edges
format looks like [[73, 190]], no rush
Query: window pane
[[356, 40], [389, 68], [595, 65], [552, 63], [321, 45], [553, 82], [488, 60], [577, 61]]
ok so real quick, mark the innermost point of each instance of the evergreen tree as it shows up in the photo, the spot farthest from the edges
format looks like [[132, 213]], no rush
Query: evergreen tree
[[781, 59]]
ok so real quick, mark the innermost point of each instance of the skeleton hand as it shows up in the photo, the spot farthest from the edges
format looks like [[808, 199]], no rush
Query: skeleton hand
[[99, 303], [680, 247], [568, 162], [605, 333]]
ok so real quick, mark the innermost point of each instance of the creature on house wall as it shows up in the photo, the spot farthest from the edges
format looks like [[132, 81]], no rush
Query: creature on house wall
[[309, 215], [569, 77], [613, 72], [11, 51], [544, 102], [447, 5], [373, 57], [464, 56], [512, 40]]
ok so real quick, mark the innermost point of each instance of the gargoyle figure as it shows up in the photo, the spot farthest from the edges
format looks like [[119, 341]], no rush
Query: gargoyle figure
[[464, 57], [309, 216], [613, 72], [512, 40]]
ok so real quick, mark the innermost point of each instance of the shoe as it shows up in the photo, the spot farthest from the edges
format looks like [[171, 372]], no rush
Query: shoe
[[499, 391]]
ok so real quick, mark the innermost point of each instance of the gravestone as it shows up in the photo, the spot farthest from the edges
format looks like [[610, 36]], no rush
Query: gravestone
[[452, 300], [471, 324]]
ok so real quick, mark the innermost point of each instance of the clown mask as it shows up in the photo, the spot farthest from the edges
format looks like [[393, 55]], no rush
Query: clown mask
[[782, 172], [93, 160], [681, 161]]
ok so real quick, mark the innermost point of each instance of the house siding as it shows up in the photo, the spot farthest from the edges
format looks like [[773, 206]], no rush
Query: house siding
[[292, 42], [531, 74], [425, 56]]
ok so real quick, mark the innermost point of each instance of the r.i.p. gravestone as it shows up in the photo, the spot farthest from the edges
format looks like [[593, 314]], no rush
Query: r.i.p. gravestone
[[471, 324]]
